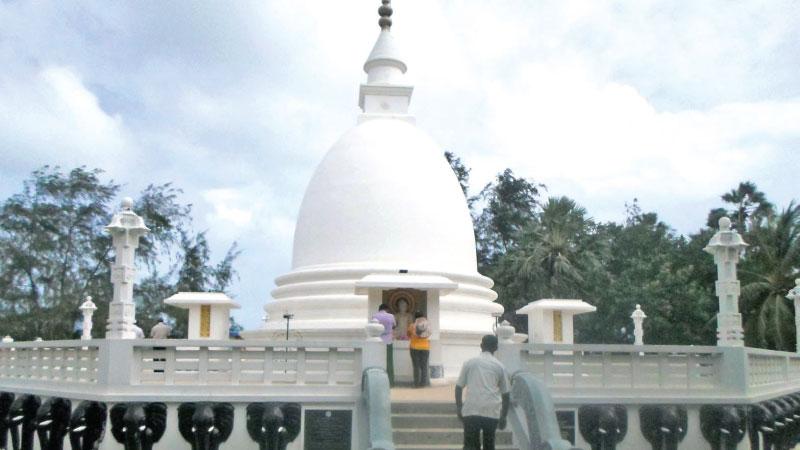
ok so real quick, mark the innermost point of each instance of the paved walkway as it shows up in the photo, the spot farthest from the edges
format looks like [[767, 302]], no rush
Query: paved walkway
[[433, 394]]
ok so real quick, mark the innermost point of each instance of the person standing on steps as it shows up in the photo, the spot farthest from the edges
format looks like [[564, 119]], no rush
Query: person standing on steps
[[387, 320], [486, 405], [419, 332]]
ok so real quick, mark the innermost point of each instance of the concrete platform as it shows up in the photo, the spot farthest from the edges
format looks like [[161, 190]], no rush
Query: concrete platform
[[432, 394]]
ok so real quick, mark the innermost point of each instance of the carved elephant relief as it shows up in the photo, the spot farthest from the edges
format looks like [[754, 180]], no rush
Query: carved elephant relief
[[138, 425], [52, 423], [761, 425], [273, 425], [205, 425], [603, 426], [22, 421], [6, 399], [664, 426], [87, 425], [723, 426]]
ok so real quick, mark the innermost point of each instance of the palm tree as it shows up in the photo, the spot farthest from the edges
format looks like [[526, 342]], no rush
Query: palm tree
[[768, 270], [557, 249], [750, 203]]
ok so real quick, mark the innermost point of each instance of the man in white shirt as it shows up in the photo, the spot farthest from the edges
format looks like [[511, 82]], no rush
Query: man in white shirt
[[487, 401], [160, 330], [137, 331]]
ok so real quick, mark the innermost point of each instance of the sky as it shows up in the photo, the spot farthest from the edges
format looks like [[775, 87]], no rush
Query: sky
[[669, 102]]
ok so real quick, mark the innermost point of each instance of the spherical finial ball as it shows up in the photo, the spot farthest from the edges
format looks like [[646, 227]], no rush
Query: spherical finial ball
[[385, 11], [638, 306], [724, 224], [797, 281], [127, 203]]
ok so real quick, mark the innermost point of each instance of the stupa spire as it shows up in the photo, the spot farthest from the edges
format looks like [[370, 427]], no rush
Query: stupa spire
[[385, 91], [385, 11]]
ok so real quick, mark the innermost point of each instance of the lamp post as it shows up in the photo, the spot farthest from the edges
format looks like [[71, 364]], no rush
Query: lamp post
[[726, 245], [125, 228], [794, 294], [638, 317], [87, 309]]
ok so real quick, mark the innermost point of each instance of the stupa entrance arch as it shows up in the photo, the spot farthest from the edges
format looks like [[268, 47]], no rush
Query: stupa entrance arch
[[422, 293]]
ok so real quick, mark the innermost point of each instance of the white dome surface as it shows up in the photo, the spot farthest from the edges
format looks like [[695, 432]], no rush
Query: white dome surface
[[385, 195]]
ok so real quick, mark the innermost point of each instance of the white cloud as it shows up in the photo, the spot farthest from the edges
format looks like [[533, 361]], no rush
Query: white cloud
[[237, 103], [53, 118], [239, 212]]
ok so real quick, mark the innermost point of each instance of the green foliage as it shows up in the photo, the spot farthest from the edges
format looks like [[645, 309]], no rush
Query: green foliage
[[536, 250], [771, 264], [509, 206], [750, 206], [54, 252], [461, 171]]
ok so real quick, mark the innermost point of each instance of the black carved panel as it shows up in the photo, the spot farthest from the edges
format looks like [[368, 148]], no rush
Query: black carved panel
[[52, 422], [273, 425], [87, 425], [205, 425], [138, 425], [723, 426], [603, 426], [327, 429], [664, 426], [22, 418]]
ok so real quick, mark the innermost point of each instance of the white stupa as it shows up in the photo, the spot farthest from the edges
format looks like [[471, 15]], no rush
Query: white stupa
[[384, 220]]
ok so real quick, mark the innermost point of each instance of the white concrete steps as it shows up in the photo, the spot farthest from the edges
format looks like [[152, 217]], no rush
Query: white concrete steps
[[433, 426]]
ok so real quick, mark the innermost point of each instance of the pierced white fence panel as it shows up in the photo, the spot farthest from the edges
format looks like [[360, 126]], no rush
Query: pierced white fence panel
[[64, 361], [625, 367], [242, 363]]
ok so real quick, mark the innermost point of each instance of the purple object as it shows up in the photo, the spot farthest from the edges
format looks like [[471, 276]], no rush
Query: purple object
[[387, 320]]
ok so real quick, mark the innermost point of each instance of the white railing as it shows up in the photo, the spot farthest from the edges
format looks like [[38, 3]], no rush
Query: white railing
[[656, 372], [64, 361], [54, 361], [677, 371], [769, 367], [165, 367], [172, 362]]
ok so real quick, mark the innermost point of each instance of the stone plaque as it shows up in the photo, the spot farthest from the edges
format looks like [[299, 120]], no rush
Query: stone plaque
[[328, 429]]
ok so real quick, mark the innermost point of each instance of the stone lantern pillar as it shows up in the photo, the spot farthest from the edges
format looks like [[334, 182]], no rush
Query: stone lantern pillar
[[726, 246], [638, 317], [794, 294], [125, 228], [87, 308]]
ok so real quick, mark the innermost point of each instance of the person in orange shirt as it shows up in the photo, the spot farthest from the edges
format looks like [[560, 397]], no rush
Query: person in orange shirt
[[419, 332]]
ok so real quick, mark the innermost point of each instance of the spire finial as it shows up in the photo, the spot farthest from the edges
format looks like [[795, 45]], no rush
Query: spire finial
[[385, 12]]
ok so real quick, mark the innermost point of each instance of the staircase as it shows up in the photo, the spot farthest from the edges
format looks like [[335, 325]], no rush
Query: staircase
[[433, 426]]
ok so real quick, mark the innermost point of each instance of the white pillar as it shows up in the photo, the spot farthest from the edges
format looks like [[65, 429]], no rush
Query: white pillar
[[436, 363], [374, 348], [507, 351], [726, 246], [87, 309], [125, 228], [794, 294], [638, 317]]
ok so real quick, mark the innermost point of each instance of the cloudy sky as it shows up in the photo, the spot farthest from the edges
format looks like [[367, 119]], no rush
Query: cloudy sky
[[672, 102]]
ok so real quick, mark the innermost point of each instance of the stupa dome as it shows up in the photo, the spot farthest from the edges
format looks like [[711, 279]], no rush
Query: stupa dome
[[384, 219], [385, 195]]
